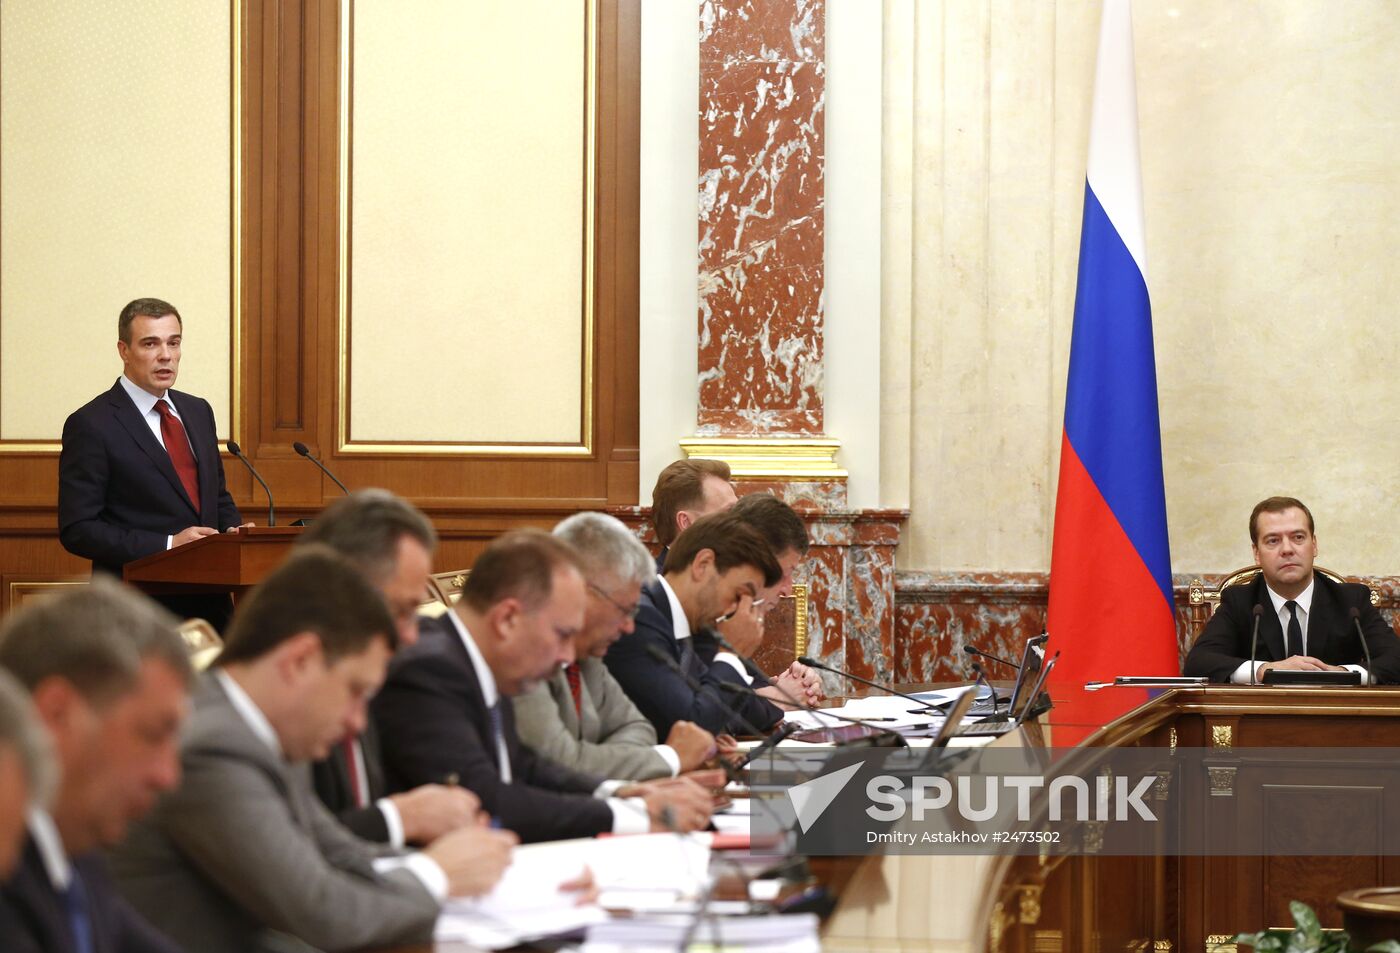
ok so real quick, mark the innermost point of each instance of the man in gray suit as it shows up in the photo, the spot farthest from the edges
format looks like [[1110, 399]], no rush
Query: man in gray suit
[[243, 856], [581, 717]]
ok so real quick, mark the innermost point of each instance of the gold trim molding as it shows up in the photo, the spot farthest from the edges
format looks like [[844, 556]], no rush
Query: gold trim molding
[[1222, 736], [235, 266], [799, 618], [791, 458], [584, 448]]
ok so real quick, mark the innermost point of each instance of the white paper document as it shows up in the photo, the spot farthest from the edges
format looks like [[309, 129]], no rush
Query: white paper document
[[528, 903]]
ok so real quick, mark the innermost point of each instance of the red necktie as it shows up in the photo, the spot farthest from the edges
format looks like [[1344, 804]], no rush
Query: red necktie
[[572, 673], [352, 767], [178, 446]]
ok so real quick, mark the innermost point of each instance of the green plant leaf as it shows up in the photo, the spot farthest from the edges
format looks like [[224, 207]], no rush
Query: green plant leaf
[[1309, 927], [1384, 946]]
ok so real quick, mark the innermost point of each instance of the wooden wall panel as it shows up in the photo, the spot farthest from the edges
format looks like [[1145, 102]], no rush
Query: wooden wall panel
[[289, 366]]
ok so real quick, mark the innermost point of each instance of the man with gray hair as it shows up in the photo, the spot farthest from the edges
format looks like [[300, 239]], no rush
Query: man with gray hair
[[391, 543], [25, 769], [109, 679], [581, 717]]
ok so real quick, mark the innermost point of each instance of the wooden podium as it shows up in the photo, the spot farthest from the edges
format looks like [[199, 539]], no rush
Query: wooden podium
[[228, 562]]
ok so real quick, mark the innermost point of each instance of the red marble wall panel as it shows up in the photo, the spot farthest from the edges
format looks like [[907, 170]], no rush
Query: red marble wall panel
[[761, 220]]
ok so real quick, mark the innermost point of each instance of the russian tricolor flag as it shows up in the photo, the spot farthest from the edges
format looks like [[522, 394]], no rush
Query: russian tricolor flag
[[1110, 567]]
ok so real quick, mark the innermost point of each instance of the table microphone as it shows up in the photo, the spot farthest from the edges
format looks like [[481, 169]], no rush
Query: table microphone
[[234, 449], [813, 663], [1355, 614], [974, 650], [982, 680], [1254, 643], [301, 448], [787, 695]]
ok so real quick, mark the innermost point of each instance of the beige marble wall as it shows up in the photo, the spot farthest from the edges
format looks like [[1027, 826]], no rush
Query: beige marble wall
[[1269, 142]]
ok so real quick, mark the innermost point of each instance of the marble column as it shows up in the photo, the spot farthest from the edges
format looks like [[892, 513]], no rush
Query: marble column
[[761, 239]]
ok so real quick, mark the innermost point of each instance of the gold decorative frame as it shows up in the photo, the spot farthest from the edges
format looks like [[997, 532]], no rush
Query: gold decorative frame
[[24, 590], [1222, 736], [235, 389], [799, 618], [344, 444], [792, 458]]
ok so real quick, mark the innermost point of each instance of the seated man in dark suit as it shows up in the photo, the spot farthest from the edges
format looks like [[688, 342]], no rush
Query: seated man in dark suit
[[1307, 622], [109, 678], [140, 470], [243, 855], [392, 544], [714, 565], [445, 709], [786, 535], [26, 773], [580, 717]]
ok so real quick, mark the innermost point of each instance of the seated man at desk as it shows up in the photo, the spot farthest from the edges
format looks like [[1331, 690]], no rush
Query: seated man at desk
[[1306, 621]]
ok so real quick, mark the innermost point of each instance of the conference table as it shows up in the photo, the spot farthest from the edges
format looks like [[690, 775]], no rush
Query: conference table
[[1258, 745]]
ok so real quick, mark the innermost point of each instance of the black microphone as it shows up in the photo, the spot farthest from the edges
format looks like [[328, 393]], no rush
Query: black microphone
[[1355, 614], [1254, 642], [784, 730], [301, 448], [813, 663], [787, 696], [974, 650], [982, 680], [271, 513]]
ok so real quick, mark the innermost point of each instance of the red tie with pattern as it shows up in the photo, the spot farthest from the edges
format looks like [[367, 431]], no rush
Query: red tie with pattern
[[572, 673], [178, 446]]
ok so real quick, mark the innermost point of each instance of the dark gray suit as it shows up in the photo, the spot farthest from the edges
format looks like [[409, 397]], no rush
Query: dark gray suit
[[243, 847]]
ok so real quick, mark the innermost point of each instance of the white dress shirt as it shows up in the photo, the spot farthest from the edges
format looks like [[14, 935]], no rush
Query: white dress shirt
[[50, 847], [629, 814]]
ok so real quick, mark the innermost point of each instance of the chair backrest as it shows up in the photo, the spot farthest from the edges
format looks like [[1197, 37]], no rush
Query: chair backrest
[[201, 641], [1203, 599], [446, 587]]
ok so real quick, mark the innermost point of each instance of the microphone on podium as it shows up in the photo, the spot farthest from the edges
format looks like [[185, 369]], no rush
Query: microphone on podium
[[234, 449], [974, 650], [302, 449], [1254, 643], [1355, 614]]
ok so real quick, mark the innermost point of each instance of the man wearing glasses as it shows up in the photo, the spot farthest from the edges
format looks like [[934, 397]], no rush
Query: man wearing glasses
[[581, 717]]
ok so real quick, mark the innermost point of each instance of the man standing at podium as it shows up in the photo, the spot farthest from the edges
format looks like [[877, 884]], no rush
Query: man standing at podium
[[140, 471], [1306, 621]]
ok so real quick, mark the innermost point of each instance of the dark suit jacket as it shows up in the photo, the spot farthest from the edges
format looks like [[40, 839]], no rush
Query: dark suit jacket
[[331, 777], [433, 722], [34, 918], [118, 494], [664, 696], [1223, 645]]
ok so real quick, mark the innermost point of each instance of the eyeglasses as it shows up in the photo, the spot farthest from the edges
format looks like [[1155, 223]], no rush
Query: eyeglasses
[[627, 612]]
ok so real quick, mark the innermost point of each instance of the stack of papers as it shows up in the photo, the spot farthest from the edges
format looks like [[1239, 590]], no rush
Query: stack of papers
[[638, 872], [773, 933]]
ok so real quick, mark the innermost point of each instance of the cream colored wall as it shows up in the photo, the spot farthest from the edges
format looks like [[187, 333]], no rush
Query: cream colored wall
[[115, 183], [467, 268], [1269, 136]]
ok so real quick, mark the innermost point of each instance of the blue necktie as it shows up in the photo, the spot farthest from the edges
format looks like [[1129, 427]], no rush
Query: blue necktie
[[79, 920]]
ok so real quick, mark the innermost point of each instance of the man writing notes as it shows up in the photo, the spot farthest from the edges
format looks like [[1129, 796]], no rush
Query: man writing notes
[[140, 470], [581, 717], [1306, 621], [243, 856], [445, 710]]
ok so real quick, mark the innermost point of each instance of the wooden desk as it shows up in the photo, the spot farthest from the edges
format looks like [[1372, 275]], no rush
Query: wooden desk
[[1149, 902]]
